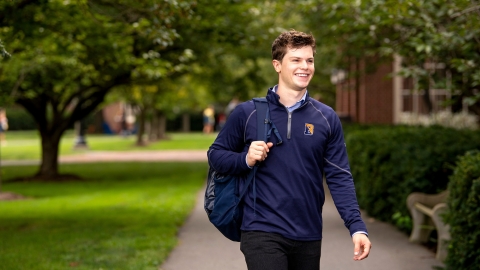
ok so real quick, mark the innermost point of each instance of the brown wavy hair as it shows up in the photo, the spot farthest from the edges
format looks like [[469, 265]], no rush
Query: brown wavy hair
[[291, 39]]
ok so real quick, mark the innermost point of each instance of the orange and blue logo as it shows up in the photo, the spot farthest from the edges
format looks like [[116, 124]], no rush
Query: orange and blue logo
[[308, 129]]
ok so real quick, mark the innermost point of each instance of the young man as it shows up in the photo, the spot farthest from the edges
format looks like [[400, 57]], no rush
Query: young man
[[282, 223]]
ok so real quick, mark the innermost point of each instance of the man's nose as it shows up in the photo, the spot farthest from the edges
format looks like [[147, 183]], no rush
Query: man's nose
[[304, 64]]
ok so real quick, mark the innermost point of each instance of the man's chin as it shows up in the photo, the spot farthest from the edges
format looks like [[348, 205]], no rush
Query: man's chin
[[301, 87]]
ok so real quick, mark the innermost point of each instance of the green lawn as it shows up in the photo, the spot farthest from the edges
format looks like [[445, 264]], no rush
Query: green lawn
[[121, 216], [21, 145]]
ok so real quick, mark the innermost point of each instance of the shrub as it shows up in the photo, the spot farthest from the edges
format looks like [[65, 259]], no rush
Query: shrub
[[19, 119], [464, 213], [388, 163]]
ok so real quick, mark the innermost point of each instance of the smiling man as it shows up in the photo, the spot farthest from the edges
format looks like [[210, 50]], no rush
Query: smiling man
[[282, 220]]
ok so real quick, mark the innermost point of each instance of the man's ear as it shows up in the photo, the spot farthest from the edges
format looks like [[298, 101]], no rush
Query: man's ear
[[277, 65]]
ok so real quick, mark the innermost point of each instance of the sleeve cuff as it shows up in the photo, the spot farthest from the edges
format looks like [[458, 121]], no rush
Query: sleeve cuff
[[247, 162], [362, 232]]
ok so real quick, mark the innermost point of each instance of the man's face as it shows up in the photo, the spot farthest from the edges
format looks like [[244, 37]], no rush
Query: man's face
[[296, 69]]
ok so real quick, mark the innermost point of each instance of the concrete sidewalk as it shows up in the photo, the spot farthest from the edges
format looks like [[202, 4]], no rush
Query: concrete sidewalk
[[119, 156], [202, 247]]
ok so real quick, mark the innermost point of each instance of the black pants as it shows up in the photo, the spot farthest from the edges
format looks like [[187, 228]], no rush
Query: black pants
[[269, 251]]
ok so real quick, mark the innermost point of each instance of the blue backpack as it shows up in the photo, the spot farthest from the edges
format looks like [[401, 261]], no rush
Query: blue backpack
[[222, 197]]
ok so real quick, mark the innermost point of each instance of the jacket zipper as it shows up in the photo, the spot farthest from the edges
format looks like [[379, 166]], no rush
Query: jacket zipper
[[289, 124]]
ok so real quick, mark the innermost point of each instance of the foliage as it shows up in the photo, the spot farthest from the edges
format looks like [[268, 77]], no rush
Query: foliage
[[166, 57], [217, 60], [464, 214], [19, 119], [67, 55], [388, 163], [445, 32], [235, 60], [118, 217]]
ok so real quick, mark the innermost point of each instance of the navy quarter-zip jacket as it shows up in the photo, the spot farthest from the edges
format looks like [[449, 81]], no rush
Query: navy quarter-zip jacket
[[289, 183]]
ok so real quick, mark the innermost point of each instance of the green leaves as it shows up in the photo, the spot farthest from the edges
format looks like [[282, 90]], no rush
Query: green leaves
[[441, 31], [388, 163], [464, 214], [67, 55]]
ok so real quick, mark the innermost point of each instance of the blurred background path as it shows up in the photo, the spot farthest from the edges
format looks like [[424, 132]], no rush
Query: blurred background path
[[107, 156]]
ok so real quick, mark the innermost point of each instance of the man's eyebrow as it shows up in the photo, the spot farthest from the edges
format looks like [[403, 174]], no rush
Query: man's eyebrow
[[298, 57]]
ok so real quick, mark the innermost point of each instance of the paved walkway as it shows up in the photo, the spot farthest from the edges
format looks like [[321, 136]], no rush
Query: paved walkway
[[99, 156], [202, 247]]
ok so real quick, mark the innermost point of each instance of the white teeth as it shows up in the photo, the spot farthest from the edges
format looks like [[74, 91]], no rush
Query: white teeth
[[302, 75]]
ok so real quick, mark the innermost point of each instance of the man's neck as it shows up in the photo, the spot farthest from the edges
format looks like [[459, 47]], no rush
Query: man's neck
[[288, 97]]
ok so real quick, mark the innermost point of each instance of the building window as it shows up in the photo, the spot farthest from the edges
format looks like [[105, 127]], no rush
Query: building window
[[439, 93]]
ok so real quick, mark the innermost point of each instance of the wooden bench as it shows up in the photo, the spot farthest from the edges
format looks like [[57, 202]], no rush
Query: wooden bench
[[426, 211]]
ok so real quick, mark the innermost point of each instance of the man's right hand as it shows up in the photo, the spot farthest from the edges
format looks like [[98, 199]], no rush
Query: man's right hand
[[257, 152]]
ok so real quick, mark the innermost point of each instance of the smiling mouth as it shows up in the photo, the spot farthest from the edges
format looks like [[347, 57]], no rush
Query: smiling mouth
[[301, 75]]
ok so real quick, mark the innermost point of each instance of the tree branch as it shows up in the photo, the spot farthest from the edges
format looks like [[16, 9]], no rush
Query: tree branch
[[37, 109], [470, 9]]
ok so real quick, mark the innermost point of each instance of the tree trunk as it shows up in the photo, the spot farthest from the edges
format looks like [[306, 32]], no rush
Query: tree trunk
[[152, 135], [49, 166], [427, 101], [186, 122], [162, 126], [424, 84]]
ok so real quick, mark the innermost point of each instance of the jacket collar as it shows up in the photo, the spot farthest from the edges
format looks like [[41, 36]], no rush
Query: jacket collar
[[274, 98]]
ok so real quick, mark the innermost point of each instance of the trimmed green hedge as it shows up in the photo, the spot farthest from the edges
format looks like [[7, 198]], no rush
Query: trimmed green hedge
[[19, 119], [390, 162], [464, 214]]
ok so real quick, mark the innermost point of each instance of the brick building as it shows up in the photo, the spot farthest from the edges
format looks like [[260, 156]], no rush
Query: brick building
[[378, 96]]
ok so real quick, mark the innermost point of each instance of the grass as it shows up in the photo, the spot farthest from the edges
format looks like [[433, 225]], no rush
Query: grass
[[26, 145], [120, 217]]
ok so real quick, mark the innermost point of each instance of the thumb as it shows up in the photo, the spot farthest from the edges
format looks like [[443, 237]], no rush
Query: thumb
[[356, 249], [269, 145]]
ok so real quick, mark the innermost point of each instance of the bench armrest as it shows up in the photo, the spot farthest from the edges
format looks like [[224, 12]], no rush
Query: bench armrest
[[429, 200]]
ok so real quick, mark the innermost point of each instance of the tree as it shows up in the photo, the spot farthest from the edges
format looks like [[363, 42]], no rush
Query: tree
[[420, 31], [235, 56], [67, 55], [213, 59]]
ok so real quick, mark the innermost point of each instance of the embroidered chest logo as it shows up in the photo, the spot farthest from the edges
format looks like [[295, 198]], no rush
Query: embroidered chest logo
[[308, 129]]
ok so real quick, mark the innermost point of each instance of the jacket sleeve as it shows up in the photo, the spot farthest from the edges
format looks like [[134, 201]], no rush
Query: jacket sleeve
[[227, 154], [339, 179]]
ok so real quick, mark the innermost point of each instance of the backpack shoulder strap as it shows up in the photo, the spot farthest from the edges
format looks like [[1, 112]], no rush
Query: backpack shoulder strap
[[264, 125], [263, 118]]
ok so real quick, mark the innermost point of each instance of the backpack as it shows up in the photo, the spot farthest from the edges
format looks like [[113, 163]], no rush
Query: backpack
[[222, 197]]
